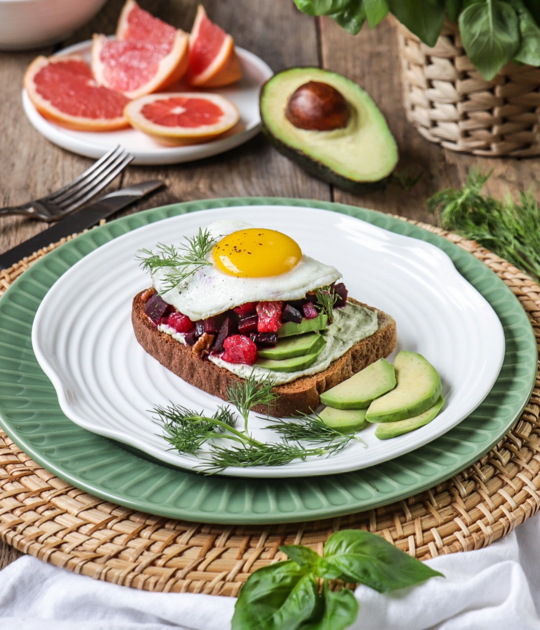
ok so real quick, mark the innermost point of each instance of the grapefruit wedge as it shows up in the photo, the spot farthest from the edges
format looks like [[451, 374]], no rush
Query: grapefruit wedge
[[212, 57], [183, 118], [147, 56], [63, 90]]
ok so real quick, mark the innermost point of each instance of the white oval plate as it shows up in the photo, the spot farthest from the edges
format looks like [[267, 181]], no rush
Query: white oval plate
[[244, 94], [84, 341]]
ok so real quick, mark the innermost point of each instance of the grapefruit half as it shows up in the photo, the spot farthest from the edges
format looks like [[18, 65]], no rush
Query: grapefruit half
[[182, 118], [63, 90], [148, 54], [212, 57]]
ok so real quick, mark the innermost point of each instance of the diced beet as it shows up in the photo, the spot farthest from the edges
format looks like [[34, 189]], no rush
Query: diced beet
[[245, 309], [341, 291], [156, 308], [269, 316], [181, 323], [212, 325], [291, 314], [200, 328], [265, 340], [240, 349], [228, 329], [310, 312], [191, 337], [248, 324]]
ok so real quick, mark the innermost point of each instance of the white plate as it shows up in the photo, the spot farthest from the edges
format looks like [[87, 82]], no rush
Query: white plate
[[106, 383], [245, 95]]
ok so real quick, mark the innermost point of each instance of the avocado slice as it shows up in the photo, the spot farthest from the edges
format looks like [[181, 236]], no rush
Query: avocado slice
[[358, 157], [306, 325], [358, 391], [290, 347], [388, 430], [418, 388], [344, 420], [296, 363]]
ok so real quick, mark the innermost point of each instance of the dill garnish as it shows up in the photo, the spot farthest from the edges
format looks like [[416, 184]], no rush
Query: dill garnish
[[326, 301], [182, 261], [250, 393]]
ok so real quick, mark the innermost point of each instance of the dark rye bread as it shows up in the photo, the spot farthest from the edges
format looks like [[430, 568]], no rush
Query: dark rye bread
[[298, 396]]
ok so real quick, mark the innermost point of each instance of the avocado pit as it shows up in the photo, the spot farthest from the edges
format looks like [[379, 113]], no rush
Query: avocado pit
[[317, 106]]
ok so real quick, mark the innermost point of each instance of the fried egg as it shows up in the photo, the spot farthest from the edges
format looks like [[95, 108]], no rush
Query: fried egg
[[248, 264]]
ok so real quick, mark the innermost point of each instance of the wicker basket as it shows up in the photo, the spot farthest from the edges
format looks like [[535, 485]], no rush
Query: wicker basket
[[450, 103]]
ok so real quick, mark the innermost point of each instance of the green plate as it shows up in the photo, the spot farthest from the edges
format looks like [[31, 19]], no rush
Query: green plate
[[31, 416]]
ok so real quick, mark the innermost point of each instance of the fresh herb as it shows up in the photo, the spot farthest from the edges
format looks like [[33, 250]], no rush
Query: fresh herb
[[287, 594], [493, 32], [406, 180], [509, 229], [249, 393], [326, 300], [182, 261], [309, 429]]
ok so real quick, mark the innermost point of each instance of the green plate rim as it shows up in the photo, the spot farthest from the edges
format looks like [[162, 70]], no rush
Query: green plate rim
[[31, 416]]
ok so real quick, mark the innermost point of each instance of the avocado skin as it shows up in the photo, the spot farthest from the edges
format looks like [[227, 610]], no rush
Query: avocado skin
[[322, 172]]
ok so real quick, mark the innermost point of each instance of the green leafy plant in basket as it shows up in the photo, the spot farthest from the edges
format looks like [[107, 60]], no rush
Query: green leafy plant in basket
[[493, 32], [295, 594]]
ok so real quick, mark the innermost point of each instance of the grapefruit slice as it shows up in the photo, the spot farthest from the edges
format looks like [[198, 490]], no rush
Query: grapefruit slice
[[63, 90], [183, 118], [148, 54], [212, 57]]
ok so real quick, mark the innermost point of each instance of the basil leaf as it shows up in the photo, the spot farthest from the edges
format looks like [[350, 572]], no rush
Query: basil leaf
[[323, 7], [534, 8], [303, 556], [376, 11], [529, 51], [282, 596], [453, 7], [424, 18], [340, 611], [490, 34], [353, 18], [373, 561]]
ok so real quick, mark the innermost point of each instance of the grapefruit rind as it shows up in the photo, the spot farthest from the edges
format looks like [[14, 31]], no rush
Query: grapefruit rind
[[182, 136], [170, 69], [123, 24], [50, 112], [224, 69]]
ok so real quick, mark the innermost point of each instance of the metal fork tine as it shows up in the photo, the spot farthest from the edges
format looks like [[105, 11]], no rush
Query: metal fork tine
[[102, 184], [110, 155], [95, 183]]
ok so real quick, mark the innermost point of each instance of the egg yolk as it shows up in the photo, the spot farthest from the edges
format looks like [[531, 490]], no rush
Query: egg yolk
[[256, 253]]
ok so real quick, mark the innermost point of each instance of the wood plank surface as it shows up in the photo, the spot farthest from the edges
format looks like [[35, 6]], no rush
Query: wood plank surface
[[31, 167]]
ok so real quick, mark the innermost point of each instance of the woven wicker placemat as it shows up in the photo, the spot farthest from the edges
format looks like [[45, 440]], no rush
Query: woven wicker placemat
[[46, 517]]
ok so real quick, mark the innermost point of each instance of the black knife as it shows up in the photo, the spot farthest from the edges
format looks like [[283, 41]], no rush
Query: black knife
[[79, 221]]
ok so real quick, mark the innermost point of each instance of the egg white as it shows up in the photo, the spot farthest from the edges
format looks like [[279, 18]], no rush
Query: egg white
[[209, 291]]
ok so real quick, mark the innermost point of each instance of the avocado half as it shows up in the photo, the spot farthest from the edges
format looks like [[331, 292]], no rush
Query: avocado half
[[359, 157]]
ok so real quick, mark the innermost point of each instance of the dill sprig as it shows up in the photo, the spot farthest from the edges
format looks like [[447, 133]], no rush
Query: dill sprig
[[187, 430], [249, 393], [509, 229], [326, 301], [309, 429], [182, 261], [258, 454]]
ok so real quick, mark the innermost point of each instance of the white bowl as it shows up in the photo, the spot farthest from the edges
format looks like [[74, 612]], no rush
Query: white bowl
[[27, 24]]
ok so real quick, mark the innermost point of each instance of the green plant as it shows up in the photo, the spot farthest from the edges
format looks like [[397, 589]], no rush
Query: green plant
[[509, 229], [295, 594], [493, 32]]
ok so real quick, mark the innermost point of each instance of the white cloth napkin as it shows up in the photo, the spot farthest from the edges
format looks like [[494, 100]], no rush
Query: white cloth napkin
[[497, 588]]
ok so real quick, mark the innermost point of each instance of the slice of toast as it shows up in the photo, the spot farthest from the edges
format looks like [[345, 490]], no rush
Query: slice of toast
[[298, 396]]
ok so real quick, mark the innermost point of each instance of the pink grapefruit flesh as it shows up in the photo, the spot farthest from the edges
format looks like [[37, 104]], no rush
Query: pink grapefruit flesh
[[139, 25], [212, 57], [183, 118], [64, 91]]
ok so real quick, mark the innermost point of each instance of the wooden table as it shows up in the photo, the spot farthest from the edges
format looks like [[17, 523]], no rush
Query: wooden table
[[31, 167]]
